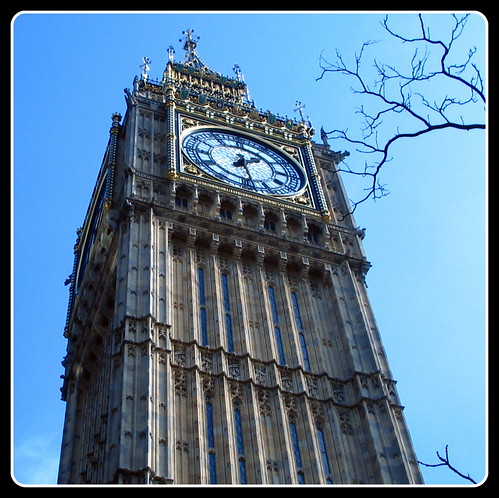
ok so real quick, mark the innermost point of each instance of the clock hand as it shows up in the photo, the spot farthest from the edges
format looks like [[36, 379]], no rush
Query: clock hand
[[250, 178], [242, 161]]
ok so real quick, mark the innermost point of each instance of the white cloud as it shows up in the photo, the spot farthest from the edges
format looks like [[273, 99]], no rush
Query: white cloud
[[36, 459]]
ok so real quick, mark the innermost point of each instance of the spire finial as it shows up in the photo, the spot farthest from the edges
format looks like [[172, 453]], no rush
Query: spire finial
[[145, 67], [299, 109], [171, 53], [240, 78], [190, 44]]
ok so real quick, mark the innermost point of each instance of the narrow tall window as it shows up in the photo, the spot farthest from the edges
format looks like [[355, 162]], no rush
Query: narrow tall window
[[280, 348], [296, 451], [273, 306], [210, 436], [325, 460], [277, 329], [228, 315], [240, 444], [202, 308], [301, 332]]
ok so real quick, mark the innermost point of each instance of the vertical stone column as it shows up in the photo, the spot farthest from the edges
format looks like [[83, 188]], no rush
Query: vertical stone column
[[240, 300], [131, 391], [171, 162], [69, 439], [161, 413], [286, 320], [161, 271], [315, 183]]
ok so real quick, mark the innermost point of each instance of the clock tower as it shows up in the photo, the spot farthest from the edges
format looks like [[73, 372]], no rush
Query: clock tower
[[218, 327]]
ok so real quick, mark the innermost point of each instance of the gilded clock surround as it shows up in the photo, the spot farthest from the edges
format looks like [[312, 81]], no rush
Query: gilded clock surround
[[292, 142]]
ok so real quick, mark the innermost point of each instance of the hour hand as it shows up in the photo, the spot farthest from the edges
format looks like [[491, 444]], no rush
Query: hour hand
[[242, 161]]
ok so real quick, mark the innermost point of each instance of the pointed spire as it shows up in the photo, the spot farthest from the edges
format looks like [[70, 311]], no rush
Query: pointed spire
[[233, 90], [190, 43], [191, 57]]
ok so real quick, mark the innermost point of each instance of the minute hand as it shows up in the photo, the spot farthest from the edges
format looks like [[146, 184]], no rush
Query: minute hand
[[243, 162], [249, 176]]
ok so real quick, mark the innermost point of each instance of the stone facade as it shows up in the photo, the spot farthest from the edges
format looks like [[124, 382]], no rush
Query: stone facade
[[218, 335]]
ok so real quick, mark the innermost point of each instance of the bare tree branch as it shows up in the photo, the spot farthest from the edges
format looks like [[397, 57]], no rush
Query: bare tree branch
[[446, 463], [399, 99], [475, 84]]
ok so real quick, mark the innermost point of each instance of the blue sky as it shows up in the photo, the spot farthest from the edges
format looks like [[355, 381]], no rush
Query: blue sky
[[426, 240]]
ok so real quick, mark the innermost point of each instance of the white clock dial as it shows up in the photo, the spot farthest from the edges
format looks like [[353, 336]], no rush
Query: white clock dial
[[245, 162]]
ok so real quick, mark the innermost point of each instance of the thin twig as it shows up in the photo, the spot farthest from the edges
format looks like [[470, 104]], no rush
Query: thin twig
[[446, 463]]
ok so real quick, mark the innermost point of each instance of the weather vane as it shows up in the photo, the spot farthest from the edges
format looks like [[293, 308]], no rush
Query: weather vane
[[299, 109]]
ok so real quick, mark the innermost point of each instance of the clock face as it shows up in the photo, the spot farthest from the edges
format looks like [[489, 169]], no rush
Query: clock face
[[244, 162]]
